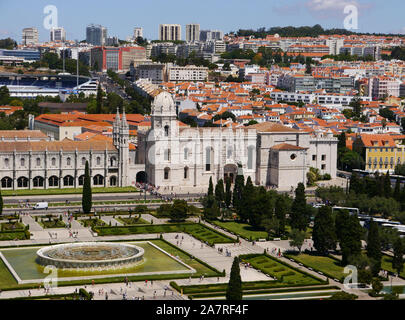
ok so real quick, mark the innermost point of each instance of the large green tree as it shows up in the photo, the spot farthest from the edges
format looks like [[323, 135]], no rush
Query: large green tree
[[99, 100], [1, 203], [234, 289], [87, 196], [219, 192], [324, 235], [349, 233], [179, 210], [210, 188], [280, 212]]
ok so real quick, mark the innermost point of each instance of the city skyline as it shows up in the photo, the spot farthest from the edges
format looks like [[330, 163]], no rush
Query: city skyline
[[374, 16]]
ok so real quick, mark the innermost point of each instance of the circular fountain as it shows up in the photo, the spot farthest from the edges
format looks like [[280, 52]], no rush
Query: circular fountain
[[89, 255]]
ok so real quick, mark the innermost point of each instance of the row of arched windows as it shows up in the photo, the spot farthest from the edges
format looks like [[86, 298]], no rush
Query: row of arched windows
[[113, 161], [53, 181]]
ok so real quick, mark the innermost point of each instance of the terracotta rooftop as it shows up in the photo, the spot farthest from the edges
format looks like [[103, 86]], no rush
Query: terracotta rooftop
[[287, 146], [272, 127], [56, 146]]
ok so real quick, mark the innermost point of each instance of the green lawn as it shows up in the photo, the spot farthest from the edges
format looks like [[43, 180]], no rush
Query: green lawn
[[66, 191], [386, 264], [19, 235], [242, 229], [198, 231], [327, 265], [280, 271]]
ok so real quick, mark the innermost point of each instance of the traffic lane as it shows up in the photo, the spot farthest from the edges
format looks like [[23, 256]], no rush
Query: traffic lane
[[95, 197]]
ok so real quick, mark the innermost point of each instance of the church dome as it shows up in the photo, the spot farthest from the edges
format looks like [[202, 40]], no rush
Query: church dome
[[163, 103]]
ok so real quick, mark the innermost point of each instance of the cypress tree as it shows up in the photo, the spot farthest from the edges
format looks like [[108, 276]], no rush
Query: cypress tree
[[234, 289], [349, 233], [247, 200], [1, 203], [210, 188], [324, 235], [397, 190], [299, 212], [398, 260], [356, 184], [374, 247], [237, 191], [228, 193], [219, 191], [86, 196], [387, 185], [99, 99], [280, 212]]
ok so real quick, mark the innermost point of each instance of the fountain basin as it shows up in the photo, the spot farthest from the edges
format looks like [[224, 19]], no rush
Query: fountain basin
[[101, 255]]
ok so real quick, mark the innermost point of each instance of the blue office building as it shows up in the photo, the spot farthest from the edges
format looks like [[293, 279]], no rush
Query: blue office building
[[26, 54]]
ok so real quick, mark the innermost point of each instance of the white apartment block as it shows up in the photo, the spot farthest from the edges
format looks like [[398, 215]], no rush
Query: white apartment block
[[30, 36], [169, 32], [187, 73], [380, 87], [138, 32]]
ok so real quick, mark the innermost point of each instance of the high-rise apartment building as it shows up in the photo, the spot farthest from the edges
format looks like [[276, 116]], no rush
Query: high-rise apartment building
[[58, 34], [192, 32], [169, 32], [96, 35], [30, 36], [211, 35], [138, 32], [116, 58]]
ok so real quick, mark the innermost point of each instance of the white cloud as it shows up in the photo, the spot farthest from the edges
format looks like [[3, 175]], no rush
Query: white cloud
[[330, 5]]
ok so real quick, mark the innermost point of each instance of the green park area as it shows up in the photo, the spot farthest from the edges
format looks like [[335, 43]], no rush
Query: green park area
[[57, 191], [327, 265], [92, 222], [197, 230], [158, 265], [243, 230]]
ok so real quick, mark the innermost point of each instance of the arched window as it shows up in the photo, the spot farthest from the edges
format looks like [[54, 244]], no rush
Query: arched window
[[22, 182], [38, 162], [6, 162], [98, 180], [229, 152], [167, 155], [83, 161], [113, 161], [68, 161], [209, 157], [250, 157], [53, 181], [68, 181], [22, 161], [185, 172], [53, 162], [185, 153], [167, 173], [166, 131], [6, 182], [113, 181], [81, 180], [38, 182], [98, 161]]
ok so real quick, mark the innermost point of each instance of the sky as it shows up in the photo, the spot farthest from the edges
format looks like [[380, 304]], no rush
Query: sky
[[121, 16]]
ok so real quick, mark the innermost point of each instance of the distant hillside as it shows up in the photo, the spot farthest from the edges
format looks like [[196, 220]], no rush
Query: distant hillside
[[304, 31]]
